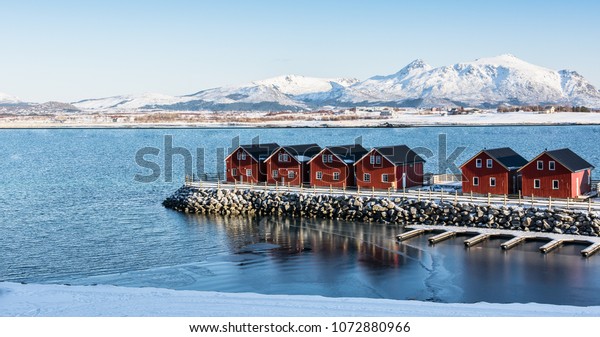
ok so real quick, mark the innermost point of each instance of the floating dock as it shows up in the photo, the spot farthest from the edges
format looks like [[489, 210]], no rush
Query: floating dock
[[553, 241]]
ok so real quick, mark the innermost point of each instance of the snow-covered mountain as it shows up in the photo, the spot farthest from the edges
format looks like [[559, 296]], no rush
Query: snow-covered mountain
[[504, 79], [126, 103], [8, 99], [486, 82]]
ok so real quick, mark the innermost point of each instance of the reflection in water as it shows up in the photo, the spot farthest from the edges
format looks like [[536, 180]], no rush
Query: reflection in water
[[274, 255]]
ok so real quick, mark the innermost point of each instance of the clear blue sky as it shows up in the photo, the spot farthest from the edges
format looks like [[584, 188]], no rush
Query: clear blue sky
[[70, 50]]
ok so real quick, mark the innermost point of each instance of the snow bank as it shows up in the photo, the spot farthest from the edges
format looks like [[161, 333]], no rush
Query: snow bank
[[92, 301]]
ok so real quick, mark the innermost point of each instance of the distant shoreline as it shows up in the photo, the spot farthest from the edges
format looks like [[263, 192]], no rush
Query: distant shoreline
[[412, 119]]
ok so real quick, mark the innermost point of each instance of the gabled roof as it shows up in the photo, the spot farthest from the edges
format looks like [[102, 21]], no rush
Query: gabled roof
[[348, 154], [399, 154], [505, 156], [257, 151], [302, 152], [567, 158]]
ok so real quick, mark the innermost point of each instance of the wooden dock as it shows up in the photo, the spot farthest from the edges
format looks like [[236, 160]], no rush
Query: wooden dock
[[553, 241]]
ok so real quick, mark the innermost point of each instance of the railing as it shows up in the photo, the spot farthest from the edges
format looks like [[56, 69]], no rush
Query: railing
[[213, 181]]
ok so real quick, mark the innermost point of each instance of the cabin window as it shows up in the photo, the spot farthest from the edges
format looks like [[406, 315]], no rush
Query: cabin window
[[248, 172], [319, 175], [554, 184], [327, 158], [551, 165], [241, 155], [384, 178], [284, 157], [275, 173], [367, 177], [291, 174], [478, 163], [336, 176], [536, 183], [492, 182], [475, 181], [234, 172], [540, 165], [488, 163], [375, 159]]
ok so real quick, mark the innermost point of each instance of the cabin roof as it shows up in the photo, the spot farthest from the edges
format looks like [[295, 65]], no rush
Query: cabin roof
[[260, 151], [349, 154], [399, 154], [569, 159], [303, 152], [507, 157]]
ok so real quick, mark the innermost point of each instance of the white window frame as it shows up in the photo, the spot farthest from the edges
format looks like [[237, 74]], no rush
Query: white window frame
[[324, 158], [377, 160], [475, 181], [478, 163], [385, 178], [367, 177], [319, 175], [540, 165], [291, 174], [537, 182], [557, 184], [275, 173], [234, 172], [492, 181], [248, 172], [489, 163], [336, 176], [330, 158], [372, 159], [551, 165], [241, 155]]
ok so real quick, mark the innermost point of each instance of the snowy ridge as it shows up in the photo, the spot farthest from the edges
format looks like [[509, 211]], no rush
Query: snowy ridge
[[485, 82], [8, 99], [504, 79]]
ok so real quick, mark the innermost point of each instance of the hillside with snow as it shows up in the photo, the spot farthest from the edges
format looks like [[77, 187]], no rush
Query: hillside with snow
[[8, 99], [485, 82]]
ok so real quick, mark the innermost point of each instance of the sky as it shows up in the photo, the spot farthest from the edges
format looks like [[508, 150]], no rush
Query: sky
[[72, 50]]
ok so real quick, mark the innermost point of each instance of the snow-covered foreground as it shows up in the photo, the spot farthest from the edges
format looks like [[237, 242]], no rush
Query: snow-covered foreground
[[94, 301]]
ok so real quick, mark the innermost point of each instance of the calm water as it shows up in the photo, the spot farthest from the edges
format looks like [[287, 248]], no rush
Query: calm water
[[71, 212]]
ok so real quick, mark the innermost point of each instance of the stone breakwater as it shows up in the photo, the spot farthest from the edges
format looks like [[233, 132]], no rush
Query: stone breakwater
[[399, 211]]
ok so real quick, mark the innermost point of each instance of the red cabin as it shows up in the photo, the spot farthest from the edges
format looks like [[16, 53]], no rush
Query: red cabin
[[289, 164], [334, 165], [247, 163], [390, 166], [557, 174], [493, 171]]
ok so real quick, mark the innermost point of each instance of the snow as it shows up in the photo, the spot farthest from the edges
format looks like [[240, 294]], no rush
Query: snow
[[103, 300], [8, 99], [493, 80], [300, 85], [503, 79], [126, 102]]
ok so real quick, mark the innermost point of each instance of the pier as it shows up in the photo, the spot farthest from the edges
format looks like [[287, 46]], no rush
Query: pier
[[478, 235]]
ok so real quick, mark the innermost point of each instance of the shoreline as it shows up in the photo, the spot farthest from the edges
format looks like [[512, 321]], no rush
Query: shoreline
[[199, 120], [52, 300], [142, 126]]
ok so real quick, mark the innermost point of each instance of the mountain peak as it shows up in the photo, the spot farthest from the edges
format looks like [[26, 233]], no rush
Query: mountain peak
[[8, 99], [505, 60]]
